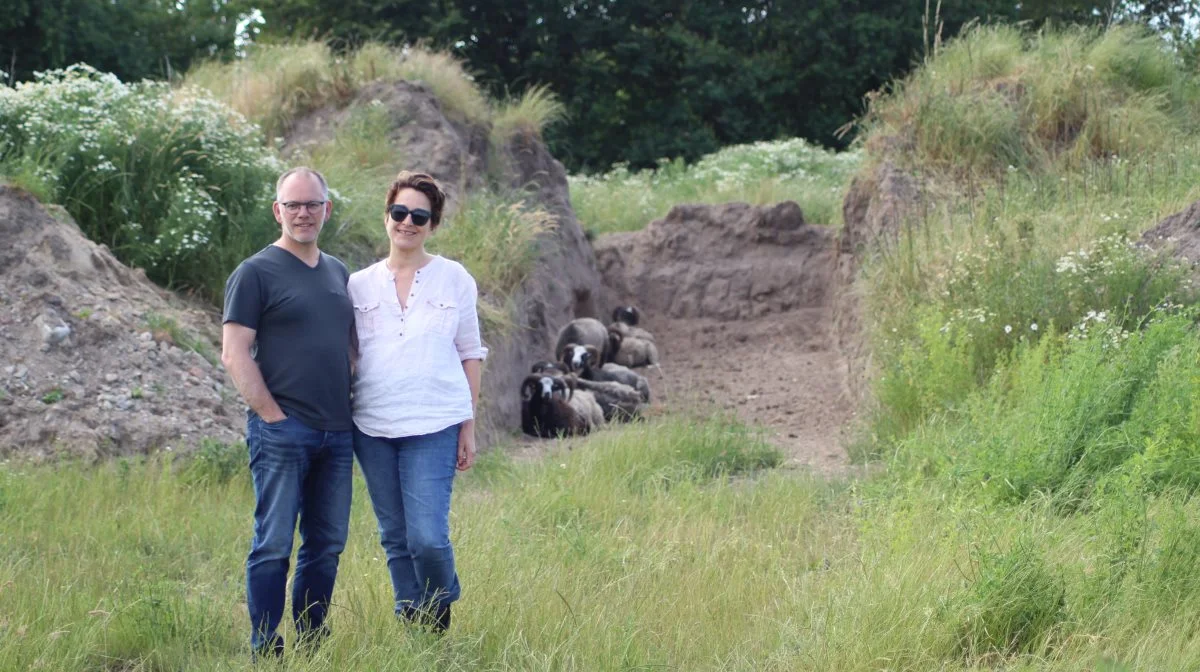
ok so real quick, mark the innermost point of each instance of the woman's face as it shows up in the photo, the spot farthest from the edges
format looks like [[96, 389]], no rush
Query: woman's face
[[405, 235]]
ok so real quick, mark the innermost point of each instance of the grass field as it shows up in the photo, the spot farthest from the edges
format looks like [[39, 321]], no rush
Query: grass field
[[668, 545]]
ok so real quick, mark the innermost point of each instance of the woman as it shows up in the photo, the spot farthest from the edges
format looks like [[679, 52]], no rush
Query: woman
[[414, 398]]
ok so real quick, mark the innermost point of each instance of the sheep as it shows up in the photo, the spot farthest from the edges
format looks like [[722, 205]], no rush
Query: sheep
[[583, 360], [625, 321], [551, 407], [584, 331], [633, 351], [627, 376], [548, 368], [626, 331], [585, 404], [617, 400]]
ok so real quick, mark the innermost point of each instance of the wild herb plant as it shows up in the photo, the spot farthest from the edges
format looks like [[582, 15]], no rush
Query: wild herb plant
[[171, 180]]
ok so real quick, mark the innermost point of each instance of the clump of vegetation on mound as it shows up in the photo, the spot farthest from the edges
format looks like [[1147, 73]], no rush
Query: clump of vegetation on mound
[[170, 179], [275, 83], [758, 173], [1000, 99], [1029, 238]]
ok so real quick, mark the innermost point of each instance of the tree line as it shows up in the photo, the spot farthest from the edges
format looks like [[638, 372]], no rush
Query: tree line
[[640, 79]]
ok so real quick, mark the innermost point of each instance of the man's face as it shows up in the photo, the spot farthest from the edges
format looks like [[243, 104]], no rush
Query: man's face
[[301, 208]]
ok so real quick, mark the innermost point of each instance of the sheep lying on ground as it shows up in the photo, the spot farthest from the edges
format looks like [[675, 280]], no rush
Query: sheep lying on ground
[[632, 351], [584, 331], [584, 360], [625, 320], [551, 407], [618, 401]]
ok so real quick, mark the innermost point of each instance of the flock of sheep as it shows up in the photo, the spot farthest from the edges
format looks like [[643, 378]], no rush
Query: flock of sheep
[[592, 381]]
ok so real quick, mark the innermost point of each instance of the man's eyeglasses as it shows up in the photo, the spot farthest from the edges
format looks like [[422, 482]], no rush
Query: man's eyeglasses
[[293, 207], [419, 217]]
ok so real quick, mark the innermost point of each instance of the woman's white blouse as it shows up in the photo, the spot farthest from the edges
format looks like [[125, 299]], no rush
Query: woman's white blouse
[[410, 375]]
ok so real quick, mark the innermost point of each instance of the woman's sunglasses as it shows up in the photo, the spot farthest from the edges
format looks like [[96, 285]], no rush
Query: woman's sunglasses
[[399, 212]]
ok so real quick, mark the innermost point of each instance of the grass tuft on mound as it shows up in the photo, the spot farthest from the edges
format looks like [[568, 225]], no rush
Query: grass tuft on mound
[[275, 83], [998, 97]]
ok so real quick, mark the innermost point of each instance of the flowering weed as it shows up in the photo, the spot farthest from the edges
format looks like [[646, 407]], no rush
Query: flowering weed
[[171, 180]]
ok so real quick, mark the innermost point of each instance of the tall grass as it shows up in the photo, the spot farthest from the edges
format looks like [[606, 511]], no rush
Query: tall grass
[[275, 83], [758, 173], [999, 97], [528, 114], [660, 545]]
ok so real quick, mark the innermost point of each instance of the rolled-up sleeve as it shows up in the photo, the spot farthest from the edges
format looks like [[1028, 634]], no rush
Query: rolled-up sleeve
[[468, 341]]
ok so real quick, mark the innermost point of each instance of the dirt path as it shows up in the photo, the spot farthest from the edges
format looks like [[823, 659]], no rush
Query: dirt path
[[779, 372]]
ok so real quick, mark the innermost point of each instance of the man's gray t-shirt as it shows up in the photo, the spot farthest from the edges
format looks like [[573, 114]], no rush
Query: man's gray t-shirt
[[303, 319]]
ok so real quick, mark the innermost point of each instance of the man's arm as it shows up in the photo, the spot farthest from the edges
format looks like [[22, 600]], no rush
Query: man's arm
[[236, 341]]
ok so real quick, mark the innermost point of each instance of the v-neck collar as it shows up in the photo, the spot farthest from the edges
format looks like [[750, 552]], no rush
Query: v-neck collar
[[320, 257]]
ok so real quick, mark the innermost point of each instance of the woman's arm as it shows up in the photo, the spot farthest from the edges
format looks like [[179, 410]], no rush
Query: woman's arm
[[466, 434]]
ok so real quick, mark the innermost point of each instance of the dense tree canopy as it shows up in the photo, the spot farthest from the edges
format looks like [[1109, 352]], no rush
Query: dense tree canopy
[[641, 79], [135, 39]]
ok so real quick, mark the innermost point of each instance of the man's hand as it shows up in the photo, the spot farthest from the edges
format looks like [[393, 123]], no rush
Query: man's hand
[[466, 445], [235, 355]]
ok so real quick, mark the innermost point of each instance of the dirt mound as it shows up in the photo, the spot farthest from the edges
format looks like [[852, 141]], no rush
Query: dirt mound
[[91, 362], [454, 153], [563, 285], [739, 299], [874, 209], [1179, 234], [728, 262]]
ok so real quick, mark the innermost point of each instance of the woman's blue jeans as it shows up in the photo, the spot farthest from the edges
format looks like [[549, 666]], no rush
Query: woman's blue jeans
[[410, 480], [304, 473]]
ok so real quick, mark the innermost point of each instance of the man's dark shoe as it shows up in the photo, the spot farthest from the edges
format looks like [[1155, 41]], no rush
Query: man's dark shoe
[[438, 621], [268, 650], [441, 620]]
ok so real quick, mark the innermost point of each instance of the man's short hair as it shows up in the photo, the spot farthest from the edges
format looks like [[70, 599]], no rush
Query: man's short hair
[[424, 184], [302, 170]]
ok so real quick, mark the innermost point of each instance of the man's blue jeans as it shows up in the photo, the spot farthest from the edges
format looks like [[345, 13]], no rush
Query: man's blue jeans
[[409, 480], [297, 472]]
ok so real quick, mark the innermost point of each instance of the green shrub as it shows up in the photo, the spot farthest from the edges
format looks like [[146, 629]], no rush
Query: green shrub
[[172, 181], [1067, 414], [1013, 605]]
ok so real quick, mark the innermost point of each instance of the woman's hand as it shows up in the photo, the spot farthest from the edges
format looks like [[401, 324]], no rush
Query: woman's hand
[[466, 445]]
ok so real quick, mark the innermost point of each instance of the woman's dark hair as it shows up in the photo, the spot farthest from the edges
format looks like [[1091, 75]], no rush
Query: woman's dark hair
[[424, 184]]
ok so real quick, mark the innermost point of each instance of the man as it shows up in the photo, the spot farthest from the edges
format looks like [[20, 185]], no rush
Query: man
[[286, 342]]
